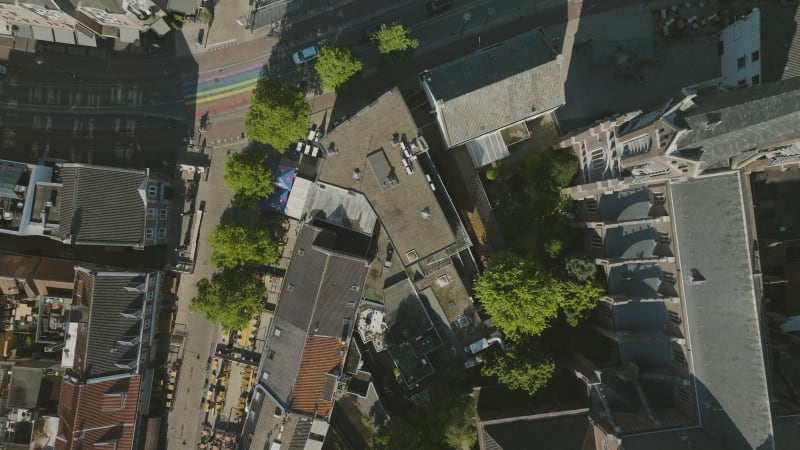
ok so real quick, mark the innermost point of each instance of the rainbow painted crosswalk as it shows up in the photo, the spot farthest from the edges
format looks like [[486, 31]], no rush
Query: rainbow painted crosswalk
[[224, 91]]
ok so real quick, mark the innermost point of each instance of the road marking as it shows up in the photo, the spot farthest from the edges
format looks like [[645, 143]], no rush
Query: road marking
[[219, 96], [208, 92], [220, 44]]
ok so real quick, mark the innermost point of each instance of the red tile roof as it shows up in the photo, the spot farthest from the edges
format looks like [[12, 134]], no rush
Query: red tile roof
[[321, 355], [88, 416]]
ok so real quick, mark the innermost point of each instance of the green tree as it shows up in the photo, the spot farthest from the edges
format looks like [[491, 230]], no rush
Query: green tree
[[579, 300], [278, 114], [394, 38], [523, 298], [581, 269], [554, 247], [448, 420], [242, 243], [520, 297], [524, 365], [230, 297], [246, 175], [336, 65]]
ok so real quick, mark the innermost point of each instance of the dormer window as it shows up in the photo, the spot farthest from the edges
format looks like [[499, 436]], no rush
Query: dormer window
[[126, 364], [128, 341], [131, 313], [113, 401]]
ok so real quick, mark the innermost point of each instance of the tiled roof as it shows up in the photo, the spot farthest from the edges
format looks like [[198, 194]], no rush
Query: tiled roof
[[727, 124], [318, 300], [98, 350], [322, 355], [87, 419], [551, 432], [102, 204], [496, 86]]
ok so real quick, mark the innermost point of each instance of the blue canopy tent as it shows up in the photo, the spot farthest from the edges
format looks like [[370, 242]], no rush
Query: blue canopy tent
[[283, 179]]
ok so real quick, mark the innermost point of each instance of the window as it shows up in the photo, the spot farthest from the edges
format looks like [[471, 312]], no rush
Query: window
[[162, 213], [162, 233], [756, 80], [669, 277], [597, 241], [151, 213], [674, 318], [755, 56], [152, 191], [149, 233], [741, 62]]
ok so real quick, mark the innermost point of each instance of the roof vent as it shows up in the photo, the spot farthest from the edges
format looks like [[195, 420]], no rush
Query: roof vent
[[356, 174], [426, 213], [697, 277], [713, 120]]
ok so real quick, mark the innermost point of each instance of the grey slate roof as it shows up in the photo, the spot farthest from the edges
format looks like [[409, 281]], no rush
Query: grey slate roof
[[106, 325], [560, 432], [751, 118], [183, 6], [341, 207], [496, 86], [102, 204], [400, 207], [722, 310], [314, 301]]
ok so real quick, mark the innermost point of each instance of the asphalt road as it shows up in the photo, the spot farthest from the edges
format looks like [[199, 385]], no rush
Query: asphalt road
[[125, 110]]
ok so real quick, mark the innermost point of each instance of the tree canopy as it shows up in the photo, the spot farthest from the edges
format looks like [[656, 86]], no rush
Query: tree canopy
[[523, 298], [580, 269], [448, 420], [336, 65], [242, 243], [524, 365], [230, 297], [278, 114], [246, 175], [394, 38]]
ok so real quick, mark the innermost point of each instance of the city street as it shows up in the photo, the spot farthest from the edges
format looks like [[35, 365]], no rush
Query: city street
[[187, 416], [140, 111]]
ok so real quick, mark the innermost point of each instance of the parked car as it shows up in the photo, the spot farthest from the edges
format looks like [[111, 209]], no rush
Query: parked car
[[305, 55], [387, 263], [138, 11], [372, 30], [437, 6]]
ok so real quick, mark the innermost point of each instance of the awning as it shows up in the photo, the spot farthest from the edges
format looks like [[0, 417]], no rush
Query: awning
[[128, 35], [487, 149], [64, 36], [160, 27], [297, 198]]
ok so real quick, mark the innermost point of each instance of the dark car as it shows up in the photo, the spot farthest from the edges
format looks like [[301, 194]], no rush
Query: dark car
[[372, 30], [437, 6]]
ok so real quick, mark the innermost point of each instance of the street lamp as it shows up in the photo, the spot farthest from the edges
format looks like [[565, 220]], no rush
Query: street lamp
[[467, 17]]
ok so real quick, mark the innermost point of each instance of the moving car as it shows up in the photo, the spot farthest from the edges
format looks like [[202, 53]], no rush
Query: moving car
[[305, 55], [437, 6]]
